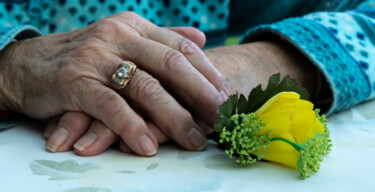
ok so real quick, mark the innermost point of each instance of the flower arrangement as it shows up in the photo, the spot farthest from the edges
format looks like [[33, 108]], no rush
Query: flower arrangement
[[277, 124]]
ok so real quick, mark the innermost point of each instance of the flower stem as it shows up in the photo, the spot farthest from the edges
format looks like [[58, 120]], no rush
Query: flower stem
[[296, 146]]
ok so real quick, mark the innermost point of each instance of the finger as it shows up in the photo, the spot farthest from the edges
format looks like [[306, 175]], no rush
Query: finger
[[125, 148], [99, 137], [203, 125], [70, 127], [96, 140], [110, 108], [195, 35], [192, 53], [51, 127], [161, 137], [153, 101], [171, 67], [177, 42], [172, 39]]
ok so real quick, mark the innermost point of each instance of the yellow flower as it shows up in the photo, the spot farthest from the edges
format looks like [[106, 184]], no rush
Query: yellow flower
[[288, 117], [285, 129]]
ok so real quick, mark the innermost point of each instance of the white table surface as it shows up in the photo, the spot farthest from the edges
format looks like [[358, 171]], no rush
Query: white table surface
[[25, 165]]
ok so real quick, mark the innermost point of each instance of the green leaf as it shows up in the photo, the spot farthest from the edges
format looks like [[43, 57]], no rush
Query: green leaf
[[237, 104], [258, 97], [229, 107], [222, 122], [64, 170], [225, 112], [243, 105]]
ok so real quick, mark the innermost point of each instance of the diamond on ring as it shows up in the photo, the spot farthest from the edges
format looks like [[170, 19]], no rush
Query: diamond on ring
[[123, 74]]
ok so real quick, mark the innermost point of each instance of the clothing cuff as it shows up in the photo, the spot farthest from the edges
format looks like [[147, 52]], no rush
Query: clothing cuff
[[348, 82], [7, 34], [9, 120]]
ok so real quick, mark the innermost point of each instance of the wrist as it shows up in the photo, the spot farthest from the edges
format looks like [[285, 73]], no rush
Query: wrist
[[8, 98], [240, 70], [245, 66], [290, 61], [286, 60]]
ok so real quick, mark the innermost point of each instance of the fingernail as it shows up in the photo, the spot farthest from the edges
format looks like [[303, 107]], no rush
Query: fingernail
[[85, 142], [196, 139], [57, 139], [147, 145], [223, 95]]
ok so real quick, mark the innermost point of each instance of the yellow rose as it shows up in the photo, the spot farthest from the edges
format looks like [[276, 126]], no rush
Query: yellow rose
[[286, 116]]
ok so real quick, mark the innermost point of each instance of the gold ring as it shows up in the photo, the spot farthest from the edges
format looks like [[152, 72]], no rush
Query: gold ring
[[123, 74]]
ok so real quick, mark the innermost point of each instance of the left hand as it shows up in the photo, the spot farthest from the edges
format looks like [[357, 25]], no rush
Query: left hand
[[243, 67]]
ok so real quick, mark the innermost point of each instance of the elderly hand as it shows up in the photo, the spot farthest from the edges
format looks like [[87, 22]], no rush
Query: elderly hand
[[243, 67], [53, 74]]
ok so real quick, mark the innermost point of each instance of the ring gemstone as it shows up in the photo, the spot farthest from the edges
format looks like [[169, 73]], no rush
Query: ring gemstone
[[122, 73]]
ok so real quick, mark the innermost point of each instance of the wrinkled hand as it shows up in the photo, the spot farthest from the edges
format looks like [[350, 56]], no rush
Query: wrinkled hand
[[243, 67], [246, 66], [57, 73]]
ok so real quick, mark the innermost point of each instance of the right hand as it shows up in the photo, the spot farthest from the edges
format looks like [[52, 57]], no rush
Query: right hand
[[53, 74]]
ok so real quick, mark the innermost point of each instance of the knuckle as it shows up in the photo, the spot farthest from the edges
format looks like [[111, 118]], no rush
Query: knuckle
[[129, 15], [174, 60], [107, 26], [106, 102], [73, 122], [148, 87], [127, 131], [99, 128], [132, 129], [186, 46], [180, 125]]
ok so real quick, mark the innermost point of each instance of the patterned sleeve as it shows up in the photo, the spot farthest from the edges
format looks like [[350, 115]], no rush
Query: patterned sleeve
[[11, 33], [15, 20], [340, 44]]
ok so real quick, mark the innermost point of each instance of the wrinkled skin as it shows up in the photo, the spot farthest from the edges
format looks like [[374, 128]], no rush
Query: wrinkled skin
[[70, 72], [243, 67]]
